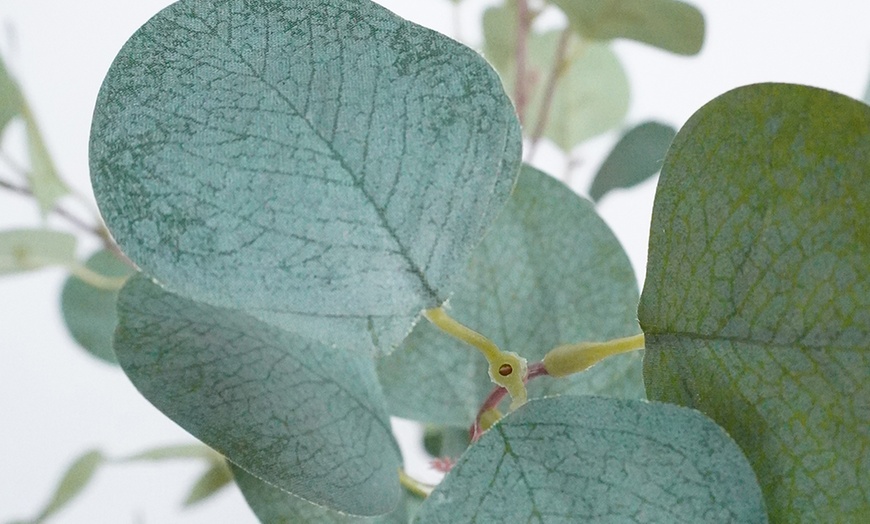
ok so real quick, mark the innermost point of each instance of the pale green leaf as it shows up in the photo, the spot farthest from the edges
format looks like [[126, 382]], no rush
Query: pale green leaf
[[756, 306], [307, 418], [667, 24], [590, 459], [42, 177], [321, 164], [29, 249], [11, 101], [591, 93], [550, 272], [500, 24], [89, 312], [74, 480], [637, 156], [273, 506], [217, 477], [182, 451]]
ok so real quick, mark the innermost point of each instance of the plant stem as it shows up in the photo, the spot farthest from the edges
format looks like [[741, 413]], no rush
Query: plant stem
[[559, 64], [573, 358], [95, 279], [524, 25], [414, 486], [507, 369]]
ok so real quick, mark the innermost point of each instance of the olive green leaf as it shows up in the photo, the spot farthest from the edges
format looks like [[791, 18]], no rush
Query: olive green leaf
[[592, 459], [323, 165], [667, 24], [88, 311], [550, 272], [29, 249], [308, 419], [273, 506], [215, 478], [637, 156], [756, 306]]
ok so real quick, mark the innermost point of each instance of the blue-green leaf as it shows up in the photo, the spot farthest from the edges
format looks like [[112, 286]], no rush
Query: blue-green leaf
[[321, 164], [89, 312], [667, 24], [637, 156], [550, 272], [591, 459], [273, 506], [756, 306], [309, 419]]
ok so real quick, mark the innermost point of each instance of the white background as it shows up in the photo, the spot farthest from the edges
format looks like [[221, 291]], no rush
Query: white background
[[56, 402]]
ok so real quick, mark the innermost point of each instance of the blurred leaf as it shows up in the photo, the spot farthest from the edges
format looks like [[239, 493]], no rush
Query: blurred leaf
[[591, 94], [590, 459], [11, 102], [667, 24], [29, 249], [756, 305], [637, 156], [273, 506], [500, 25], [89, 312], [445, 441], [74, 480], [334, 208], [210, 483], [309, 419], [43, 179], [549, 272], [182, 451]]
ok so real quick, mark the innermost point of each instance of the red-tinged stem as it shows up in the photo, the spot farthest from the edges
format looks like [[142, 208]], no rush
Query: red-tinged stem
[[498, 394]]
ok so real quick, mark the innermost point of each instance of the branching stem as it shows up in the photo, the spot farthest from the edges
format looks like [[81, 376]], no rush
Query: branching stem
[[506, 369]]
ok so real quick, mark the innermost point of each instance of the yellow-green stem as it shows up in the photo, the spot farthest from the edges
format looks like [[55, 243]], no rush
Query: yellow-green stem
[[414, 486], [574, 358], [95, 279], [507, 369]]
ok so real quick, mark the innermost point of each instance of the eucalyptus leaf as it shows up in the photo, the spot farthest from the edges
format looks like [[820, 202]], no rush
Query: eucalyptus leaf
[[500, 24], [42, 177], [73, 482], [591, 459], [550, 272], [667, 24], [215, 478], [11, 100], [756, 306], [309, 419], [89, 312], [637, 156], [323, 165], [181, 451], [29, 249], [590, 96], [445, 441], [273, 506]]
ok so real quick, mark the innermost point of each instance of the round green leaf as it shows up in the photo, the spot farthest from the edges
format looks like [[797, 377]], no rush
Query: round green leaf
[[550, 272], [308, 419], [273, 506], [89, 312], [320, 164], [591, 94], [590, 459], [637, 156], [667, 24], [756, 305]]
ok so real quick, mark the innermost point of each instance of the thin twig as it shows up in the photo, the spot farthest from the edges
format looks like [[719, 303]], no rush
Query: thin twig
[[524, 25], [558, 69]]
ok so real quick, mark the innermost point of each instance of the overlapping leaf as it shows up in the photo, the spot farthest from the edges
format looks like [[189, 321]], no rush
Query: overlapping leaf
[[637, 156], [591, 459], [668, 24], [89, 312], [757, 299], [305, 418], [550, 272], [591, 92], [323, 165], [273, 506]]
